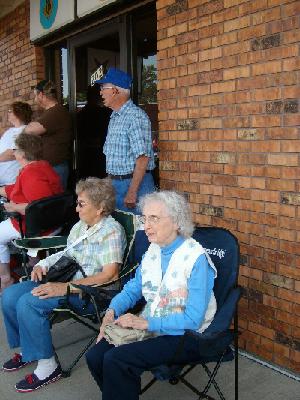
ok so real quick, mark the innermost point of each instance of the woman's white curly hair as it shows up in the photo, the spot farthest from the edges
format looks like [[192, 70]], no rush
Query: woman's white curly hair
[[177, 208]]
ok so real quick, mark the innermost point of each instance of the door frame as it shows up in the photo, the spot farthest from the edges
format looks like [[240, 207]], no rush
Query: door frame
[[120, 25]]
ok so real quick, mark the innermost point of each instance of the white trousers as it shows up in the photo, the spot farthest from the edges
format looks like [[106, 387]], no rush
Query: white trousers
[[7, 233]]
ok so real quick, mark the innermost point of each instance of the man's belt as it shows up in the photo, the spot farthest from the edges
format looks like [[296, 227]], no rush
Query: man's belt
[[123, 177]]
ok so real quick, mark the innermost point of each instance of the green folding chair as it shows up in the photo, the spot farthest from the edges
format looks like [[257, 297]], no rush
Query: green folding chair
[[91, 320]]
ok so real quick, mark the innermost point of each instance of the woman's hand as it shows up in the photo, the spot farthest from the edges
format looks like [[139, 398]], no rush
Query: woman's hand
[[11, 207], [108, 318], [132, 321], [50, 289], [38, 273]]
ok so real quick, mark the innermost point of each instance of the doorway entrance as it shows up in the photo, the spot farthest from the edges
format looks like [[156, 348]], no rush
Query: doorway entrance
[[129, 43]]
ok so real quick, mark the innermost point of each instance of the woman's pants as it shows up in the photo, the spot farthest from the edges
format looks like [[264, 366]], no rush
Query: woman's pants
[[7, 233], [117, 370], [26, 320]]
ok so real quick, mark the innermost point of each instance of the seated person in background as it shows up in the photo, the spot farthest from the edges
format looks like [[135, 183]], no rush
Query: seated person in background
[[26, 305], [18, 115], [176, 278], [36, 179]]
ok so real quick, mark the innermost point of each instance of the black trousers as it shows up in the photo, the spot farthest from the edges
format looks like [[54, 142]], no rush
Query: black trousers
[[117, 370]]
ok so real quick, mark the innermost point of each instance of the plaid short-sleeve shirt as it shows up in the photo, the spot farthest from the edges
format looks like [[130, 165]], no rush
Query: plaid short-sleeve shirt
[[105, 246], [128, 137]]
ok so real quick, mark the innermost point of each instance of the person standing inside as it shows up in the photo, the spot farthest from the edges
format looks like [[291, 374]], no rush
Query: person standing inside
[[92, 124], [18, 115], [55, 128], [128, 145]]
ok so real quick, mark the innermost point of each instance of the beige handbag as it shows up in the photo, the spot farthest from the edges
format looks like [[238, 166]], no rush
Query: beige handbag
[[117, 335]]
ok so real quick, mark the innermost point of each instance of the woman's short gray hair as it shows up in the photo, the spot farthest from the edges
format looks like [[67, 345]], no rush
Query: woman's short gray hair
[[177, 207], [100, 192]]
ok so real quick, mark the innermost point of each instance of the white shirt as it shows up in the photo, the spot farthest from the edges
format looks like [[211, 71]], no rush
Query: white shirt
[[9, 169]]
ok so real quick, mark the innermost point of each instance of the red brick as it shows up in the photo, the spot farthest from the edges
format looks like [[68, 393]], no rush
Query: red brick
[[261, 330], [282, 133], [285, 160], [237, 23], [280, 184], [197, 23], [291, 64], [292, 120]]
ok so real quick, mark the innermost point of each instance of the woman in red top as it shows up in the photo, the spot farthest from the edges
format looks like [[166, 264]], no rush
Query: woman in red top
[[36, 179]]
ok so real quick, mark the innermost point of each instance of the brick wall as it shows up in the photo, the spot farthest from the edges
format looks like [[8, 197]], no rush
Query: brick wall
[[229, 74], [21, 64]]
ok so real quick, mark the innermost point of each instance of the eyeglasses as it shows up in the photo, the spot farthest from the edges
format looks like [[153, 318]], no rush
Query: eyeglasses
[[106, 87], [80, 203], [151, 219]]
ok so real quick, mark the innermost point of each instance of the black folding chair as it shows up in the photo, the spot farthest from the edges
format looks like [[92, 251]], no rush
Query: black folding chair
[[53, 213], [215, 343]]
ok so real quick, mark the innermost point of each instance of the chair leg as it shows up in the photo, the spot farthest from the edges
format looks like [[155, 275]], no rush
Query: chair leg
[[212, 379], [24, 263], [149, 384], [236, 356], [203, 394], [67, 371]]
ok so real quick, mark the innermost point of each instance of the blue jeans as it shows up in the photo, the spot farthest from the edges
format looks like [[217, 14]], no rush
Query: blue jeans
[[26, 320], [121, 188], [63, 171]]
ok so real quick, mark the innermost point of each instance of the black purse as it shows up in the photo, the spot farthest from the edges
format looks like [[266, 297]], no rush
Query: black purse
[[63, 270]]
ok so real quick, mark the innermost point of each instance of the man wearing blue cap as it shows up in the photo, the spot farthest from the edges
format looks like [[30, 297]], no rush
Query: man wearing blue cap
[[128, 145]]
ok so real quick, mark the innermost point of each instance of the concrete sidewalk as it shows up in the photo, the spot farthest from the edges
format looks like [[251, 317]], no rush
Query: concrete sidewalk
[[255, 381]]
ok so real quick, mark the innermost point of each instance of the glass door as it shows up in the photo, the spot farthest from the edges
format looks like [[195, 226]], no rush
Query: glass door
[[100, 48]]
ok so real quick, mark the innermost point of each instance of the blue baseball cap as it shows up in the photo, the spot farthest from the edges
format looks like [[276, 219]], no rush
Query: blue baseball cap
[[116, 77]]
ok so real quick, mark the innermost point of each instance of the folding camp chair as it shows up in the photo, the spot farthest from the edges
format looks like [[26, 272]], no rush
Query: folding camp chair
[[53, 213], [215, 342], [91, 320]]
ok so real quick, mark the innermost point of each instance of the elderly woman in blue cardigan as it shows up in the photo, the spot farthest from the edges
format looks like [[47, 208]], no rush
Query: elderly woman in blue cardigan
[[176, 278]]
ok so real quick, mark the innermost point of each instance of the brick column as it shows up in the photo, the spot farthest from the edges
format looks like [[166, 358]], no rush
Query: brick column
[[21, 63], [229, 74]]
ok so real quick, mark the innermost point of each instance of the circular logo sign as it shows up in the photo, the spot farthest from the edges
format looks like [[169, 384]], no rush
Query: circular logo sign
[[48, 11]]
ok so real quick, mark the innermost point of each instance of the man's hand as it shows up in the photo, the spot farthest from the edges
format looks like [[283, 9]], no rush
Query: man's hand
[[38, 273], [107, 319], [138, 174], [130, 199], [50, 289], [132, 321]]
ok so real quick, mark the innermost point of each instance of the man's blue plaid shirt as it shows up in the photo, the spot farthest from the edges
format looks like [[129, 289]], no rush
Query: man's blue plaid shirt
[[128, 137]]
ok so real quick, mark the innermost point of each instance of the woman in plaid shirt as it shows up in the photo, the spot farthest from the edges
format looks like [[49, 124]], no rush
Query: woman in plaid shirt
[[26, 305]]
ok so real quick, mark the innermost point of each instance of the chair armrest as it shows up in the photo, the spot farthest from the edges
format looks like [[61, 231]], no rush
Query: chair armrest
[[224, 315], [12, 214], [41, 243], [99, 297], [218, 336]]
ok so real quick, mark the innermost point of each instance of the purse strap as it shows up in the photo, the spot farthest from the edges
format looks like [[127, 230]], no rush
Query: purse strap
[[87, 233]]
